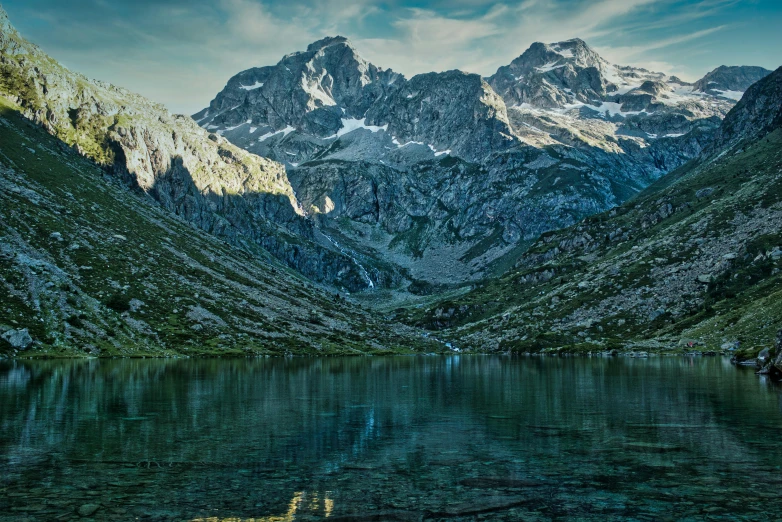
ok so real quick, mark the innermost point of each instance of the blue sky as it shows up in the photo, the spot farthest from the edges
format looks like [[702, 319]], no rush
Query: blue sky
[[181, 52]]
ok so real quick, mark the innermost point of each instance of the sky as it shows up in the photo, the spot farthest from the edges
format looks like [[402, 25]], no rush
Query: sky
[[182, 52]]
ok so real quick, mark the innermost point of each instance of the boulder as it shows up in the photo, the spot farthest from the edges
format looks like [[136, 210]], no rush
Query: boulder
[[19, 339], [776, 365]]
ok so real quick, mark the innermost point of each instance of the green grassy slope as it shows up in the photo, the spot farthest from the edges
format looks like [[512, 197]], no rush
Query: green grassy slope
[[90, 268]]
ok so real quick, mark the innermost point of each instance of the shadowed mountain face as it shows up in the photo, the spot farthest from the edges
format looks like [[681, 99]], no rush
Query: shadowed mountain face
[[757, 113], [723, 80], [445, 177], [126, 231], [88, 267], [203, 178]]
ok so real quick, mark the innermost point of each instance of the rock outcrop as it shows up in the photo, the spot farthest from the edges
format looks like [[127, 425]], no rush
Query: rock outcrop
[[769, 360], [18, 339]]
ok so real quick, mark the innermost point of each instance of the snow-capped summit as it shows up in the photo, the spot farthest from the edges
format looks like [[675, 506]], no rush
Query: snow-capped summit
[[311, 91], [552, 75], [560, 74], [564, 87]]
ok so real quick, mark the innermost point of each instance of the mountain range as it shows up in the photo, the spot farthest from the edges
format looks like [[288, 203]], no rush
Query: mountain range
[[444, 177], [532, 209]]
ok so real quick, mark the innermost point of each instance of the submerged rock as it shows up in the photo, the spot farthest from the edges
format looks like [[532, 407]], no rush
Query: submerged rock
[[87, 510]]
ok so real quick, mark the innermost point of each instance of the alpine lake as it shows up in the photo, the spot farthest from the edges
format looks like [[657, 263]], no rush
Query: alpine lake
[[389, 438]]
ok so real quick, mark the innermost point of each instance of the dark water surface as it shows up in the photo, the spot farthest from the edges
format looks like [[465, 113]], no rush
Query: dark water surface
[[403, 438]]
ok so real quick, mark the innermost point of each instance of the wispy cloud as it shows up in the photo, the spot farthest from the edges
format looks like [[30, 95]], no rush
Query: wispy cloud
[[428, 40], [632, 53], [181, 52]]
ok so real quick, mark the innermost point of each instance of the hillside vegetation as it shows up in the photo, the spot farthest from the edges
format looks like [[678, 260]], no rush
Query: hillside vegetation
[[692, 261]]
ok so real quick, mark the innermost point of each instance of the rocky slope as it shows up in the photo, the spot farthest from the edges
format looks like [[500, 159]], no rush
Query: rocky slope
[[445, 177], [88, 267], [693, 261], [197, 175]]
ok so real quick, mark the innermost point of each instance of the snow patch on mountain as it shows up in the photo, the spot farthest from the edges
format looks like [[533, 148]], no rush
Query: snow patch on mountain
[[316, 92], [256, 85], [351, 124], [549, 67], [733, 95], [287, 130]]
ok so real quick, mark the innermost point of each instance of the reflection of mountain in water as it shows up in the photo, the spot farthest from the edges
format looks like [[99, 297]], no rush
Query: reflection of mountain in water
[[398, 436]]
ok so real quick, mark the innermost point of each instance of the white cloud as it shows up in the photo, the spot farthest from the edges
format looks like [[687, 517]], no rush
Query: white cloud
[[184, 64]]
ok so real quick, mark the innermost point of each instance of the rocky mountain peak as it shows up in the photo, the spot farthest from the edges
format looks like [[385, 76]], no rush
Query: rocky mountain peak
[[730, 81], [547, 56], [757, 113], [310, 91], [577, 51], [11, 39], [554, 75], [329, 41]]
